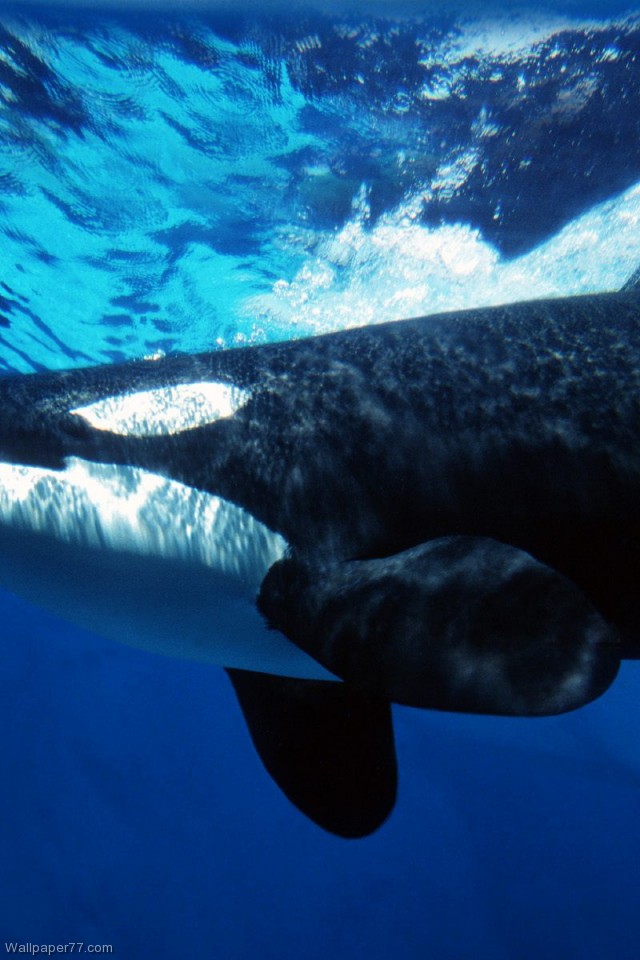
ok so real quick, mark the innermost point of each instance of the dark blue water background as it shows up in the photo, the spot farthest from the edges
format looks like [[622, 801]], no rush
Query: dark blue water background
[[181, 181]]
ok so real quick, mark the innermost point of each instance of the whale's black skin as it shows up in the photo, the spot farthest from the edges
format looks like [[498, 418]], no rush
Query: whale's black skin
[[519, 423], [481, 438], [462, 623]]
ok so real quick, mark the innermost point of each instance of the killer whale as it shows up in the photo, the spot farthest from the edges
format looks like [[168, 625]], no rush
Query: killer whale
[[441, 512]]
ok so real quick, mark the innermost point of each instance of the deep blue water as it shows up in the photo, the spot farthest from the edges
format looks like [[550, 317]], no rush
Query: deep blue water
[[176, 182]]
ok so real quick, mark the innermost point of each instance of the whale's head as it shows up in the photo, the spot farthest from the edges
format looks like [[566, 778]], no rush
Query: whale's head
[[128, 552]]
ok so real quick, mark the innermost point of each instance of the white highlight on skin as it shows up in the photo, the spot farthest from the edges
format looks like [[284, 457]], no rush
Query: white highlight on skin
[[145, 561], [128, 509], [168, 410]]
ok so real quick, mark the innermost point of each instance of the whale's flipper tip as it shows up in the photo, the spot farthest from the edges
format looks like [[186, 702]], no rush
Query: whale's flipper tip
[[329, 749]]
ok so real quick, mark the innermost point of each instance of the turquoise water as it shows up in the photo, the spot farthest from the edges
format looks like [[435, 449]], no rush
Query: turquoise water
[[186, 182], [199, 182]]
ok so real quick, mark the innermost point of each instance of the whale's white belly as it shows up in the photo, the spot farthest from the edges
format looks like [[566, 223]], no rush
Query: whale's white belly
[[146, 561]]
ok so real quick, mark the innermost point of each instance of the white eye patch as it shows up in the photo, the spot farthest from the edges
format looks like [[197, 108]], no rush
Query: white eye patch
[[168, 410]]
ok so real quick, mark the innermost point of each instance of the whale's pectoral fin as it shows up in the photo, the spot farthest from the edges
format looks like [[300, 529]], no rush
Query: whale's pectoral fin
[[460, 623], [329, 748]]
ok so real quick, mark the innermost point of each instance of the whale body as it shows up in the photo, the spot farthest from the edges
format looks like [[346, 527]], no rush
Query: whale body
[[442, 512]]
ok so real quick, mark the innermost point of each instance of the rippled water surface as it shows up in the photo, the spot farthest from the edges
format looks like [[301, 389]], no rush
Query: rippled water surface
[[180, 181]]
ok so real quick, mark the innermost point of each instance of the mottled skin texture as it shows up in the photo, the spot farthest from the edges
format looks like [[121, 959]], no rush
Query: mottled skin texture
[[520, 423], [461, 496], [458, 623]]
